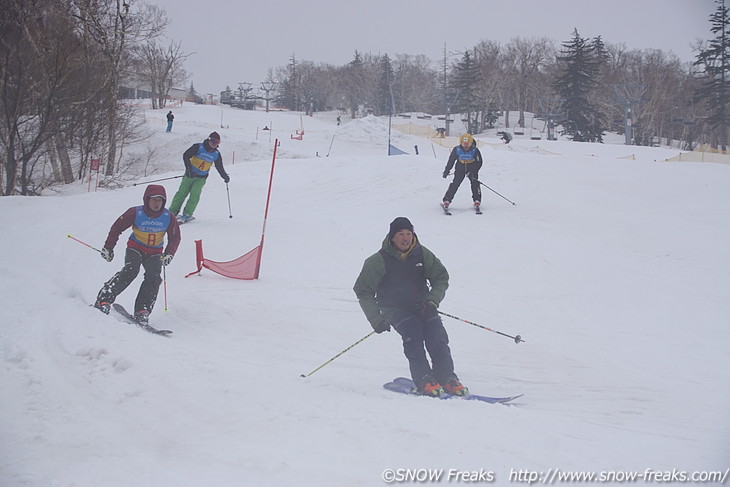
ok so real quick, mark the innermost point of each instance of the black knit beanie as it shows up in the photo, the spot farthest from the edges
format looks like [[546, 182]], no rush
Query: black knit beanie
[[400, 223]]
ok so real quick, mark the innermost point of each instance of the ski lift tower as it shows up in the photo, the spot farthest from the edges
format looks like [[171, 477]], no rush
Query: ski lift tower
[[551, 109], [628, 95], [243, 90], [268, 87]]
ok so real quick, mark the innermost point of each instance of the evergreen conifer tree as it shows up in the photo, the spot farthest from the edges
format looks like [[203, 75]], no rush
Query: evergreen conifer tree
[[465, 82], [385, 98], [193, 96], [714, 59], [580, 62]]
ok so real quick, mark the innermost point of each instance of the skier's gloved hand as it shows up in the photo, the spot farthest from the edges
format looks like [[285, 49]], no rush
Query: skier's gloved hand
[[445, 174], [166, 259], [428, 308], [107, 254], [382, 326], [226, 178]]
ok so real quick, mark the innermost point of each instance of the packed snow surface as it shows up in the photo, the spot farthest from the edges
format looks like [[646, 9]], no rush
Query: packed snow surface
[[613, 267]]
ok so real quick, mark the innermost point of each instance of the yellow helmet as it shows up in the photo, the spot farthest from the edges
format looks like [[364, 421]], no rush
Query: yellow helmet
[[466, 139]]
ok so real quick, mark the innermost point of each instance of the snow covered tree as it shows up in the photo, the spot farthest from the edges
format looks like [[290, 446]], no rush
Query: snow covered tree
[[578, 69], [714, 60]]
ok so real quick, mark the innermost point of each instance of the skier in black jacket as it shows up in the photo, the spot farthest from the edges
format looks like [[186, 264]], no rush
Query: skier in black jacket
[[401, 287], [469, 162]]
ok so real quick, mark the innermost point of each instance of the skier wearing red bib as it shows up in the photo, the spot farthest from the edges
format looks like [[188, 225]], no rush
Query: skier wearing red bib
[[150, 223]]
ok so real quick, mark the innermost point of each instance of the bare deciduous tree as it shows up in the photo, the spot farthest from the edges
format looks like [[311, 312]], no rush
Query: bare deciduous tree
[[162, 67], [37, 82], [527, 60], [60, 63], [113, 25]]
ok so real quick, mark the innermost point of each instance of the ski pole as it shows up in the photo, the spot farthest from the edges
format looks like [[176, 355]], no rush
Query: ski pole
[[331, 142], [517, 338], [164, 284], [230, 214], [156, 180], [345, 350], [493, 191], [82, 243]]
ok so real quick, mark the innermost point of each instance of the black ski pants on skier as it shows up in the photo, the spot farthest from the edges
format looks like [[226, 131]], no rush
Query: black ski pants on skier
[[419, 331], [147, 295], [460, 171]]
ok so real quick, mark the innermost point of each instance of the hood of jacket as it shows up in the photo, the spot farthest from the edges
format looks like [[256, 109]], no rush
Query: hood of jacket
[[154, 190]]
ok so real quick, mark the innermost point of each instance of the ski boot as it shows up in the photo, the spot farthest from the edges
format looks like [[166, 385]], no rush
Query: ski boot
[[455, 387], [103, 306], [431, 389], [142, 317]]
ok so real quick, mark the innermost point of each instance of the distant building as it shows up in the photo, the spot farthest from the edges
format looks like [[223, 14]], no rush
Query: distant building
[[134, 87]]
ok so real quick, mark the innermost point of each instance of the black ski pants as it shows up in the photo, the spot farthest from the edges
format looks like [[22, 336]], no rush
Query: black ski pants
[[460, 172], [147, 295], [421, 334]]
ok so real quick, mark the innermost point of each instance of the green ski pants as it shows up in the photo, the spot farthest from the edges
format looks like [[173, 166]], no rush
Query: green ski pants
[[188, 186]]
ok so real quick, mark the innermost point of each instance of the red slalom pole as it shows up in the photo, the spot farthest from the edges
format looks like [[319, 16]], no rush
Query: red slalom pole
[[82, 243], [266, 212]]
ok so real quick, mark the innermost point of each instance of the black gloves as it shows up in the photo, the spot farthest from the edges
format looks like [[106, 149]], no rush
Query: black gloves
[[428, 309], [382, 326], [166, 259], [445, 174], [107, 254], [226, 179]]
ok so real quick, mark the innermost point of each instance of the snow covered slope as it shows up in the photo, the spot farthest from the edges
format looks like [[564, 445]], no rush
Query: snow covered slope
[[615, 272]]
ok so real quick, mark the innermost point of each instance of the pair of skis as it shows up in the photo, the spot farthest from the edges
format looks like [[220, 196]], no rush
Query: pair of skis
[[127, 316], [182, 221], [403, 385], [477, 210]]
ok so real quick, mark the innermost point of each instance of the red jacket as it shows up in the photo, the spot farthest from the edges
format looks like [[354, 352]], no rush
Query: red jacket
[[128, 218]]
